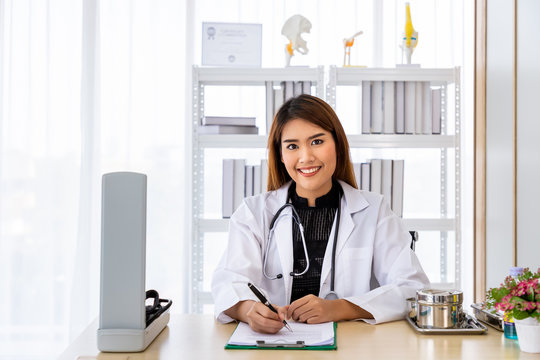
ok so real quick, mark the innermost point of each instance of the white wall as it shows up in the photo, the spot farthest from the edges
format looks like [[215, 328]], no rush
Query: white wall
[[499, 133], [499, 113], [528, 171]]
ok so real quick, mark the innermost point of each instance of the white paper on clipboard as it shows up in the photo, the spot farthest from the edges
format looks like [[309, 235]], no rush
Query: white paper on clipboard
[[231, 44], [311, 334]]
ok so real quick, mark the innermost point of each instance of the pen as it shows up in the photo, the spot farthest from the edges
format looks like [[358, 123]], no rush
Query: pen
[[261, 297]]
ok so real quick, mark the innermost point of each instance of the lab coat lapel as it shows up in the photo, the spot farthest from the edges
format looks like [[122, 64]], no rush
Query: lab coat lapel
[[351, 202], [283, 237]]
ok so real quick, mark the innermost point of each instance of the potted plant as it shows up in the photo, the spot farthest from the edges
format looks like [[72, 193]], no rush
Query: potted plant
[[519, 298]]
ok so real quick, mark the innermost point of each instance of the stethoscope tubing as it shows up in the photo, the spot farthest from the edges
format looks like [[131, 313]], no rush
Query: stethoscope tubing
[[296, 219]]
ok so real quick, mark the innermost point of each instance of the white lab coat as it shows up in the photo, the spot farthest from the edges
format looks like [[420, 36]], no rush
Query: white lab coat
[[372, 242]]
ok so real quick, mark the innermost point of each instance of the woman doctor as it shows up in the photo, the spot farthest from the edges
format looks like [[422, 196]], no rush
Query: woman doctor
[[353, 260]]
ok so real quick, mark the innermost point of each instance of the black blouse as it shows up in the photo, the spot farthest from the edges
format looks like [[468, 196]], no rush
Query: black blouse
[[317, 222]]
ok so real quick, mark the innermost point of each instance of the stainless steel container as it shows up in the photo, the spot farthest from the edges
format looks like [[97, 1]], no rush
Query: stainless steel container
[[439, 309]]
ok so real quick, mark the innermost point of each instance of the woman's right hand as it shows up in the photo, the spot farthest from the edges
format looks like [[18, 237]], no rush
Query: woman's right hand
[[261, 319]]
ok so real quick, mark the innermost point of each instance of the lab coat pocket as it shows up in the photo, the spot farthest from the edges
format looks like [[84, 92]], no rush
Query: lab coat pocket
[[357, 269]]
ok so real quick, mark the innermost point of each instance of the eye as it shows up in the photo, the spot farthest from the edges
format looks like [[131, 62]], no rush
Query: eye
[[317, 142], [291, 147]]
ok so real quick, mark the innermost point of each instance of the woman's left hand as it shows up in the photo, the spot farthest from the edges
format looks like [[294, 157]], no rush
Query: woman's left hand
[[312, 310]]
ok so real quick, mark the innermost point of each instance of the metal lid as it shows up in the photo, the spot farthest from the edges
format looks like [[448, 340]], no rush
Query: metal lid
[[434, 296]]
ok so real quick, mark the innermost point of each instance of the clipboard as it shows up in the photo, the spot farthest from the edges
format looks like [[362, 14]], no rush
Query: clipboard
[[298, 345]]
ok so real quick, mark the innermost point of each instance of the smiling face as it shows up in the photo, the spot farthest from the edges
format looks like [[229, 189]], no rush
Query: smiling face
[[309, 155]]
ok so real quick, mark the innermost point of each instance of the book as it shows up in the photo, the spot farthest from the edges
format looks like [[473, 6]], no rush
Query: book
[[366, 107], [239, 179], [298, 88], [418, 108], [436, 110], [410, 102], [427, 112], [400, 107], [306, 87], [386, 180], [288, 90], [365, 177], [377, 107], [264, 175], [397, 187], [375, 176], [389, 109], [256, 179], [228, 120], [227, 197], [248, 189], [269, 105], [227, 129], [278, 99]]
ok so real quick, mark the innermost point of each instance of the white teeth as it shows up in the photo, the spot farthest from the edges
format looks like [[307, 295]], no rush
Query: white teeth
[[309, 171]]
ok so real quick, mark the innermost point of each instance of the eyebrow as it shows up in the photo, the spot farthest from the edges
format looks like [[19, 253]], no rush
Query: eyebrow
[[309, 138]]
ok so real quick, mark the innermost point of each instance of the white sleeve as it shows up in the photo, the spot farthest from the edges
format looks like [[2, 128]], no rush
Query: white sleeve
[[396, 268], [242, 259]]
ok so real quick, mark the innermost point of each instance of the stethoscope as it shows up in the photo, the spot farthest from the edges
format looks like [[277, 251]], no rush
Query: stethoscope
[[332, 294]]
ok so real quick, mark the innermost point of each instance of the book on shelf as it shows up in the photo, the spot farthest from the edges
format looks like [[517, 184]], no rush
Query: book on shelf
[[248, 191], [306, 87], [410, 102], [269, 87], [427, 113], [397, 187], [366, 107], [375, 176], [436, 110], [227, 129], [386, 179], [288, 90], [256, 179], [377, 107], [298, 88], [418, 107], [279, 96], [239, 182], [388, 106], [400, 107], [365, 177], [228, 120], [227, 197]]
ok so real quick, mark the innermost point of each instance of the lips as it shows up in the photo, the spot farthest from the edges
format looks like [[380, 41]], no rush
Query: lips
[[309, 171]]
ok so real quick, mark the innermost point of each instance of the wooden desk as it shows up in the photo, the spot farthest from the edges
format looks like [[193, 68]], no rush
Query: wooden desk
[[200, 337]]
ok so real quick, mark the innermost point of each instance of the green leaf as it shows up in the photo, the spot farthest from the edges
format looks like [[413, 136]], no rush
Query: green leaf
[[520, 315]]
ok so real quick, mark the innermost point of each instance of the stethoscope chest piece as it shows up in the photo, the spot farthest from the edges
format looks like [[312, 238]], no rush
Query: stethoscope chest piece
[[331, 296]]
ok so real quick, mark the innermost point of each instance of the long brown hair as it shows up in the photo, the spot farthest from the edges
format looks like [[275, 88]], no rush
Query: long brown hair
[[317, 112]]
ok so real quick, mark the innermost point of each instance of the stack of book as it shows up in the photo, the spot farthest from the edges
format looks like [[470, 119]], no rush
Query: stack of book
[[240, 181], [401, 107], [382, 176], [276, 96], [228, 125]]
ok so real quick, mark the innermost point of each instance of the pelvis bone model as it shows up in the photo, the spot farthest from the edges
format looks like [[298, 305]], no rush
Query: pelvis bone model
[[293, 29]]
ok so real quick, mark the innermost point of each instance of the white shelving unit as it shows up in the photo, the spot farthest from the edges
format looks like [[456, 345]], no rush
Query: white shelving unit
[[336, 77], [203, 77], [447, 222]]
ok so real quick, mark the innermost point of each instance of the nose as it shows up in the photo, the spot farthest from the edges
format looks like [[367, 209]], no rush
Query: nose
[[306, 155]]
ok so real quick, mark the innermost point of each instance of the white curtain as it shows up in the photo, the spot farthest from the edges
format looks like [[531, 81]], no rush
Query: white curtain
[[89, 87], [86, 88]]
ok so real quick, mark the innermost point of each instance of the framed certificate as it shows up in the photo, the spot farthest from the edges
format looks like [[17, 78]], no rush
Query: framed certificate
[[231, 44]]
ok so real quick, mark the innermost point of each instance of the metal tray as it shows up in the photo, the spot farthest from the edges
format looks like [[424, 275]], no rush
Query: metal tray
[[488, 318], [473, 328]]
